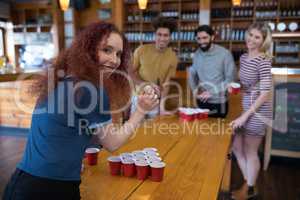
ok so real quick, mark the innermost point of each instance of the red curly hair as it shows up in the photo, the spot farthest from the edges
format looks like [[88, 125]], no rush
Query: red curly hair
[[81, 61]]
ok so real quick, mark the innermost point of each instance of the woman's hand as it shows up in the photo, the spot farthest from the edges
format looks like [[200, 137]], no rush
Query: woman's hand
[[148, 99], [239, 122]]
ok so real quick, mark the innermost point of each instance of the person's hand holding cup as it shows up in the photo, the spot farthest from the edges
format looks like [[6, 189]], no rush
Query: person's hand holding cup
[[148, 99], [234, 88]]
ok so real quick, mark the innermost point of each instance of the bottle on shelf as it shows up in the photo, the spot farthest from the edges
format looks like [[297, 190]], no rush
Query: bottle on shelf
[[221, 13], [190, 15]]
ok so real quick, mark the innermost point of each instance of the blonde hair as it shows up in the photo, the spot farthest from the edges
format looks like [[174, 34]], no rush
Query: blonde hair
[[267, 37]]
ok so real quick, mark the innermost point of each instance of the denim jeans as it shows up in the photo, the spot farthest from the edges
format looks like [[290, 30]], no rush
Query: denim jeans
[[23, 186]]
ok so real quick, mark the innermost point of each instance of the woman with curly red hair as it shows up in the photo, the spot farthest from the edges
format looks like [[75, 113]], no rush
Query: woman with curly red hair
[[73, 107]]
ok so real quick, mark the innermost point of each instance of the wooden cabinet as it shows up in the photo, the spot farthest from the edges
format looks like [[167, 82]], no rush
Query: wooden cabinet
[[230, 23], [35, 23], [32, 17]]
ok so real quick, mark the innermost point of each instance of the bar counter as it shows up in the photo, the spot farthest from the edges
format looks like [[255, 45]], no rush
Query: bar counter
[[16, 101]]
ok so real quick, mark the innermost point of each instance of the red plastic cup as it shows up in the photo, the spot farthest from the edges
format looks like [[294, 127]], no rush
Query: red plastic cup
[[181, 115], [92, 155], [198, 113], [235, 88], [157, 171], [114, 165], [128, 168], [188, 116], [205, 113], [142, 170], [181, 111]]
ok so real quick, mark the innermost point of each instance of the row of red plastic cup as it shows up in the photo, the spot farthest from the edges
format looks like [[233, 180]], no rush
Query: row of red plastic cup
[[144, 164], [190, 114]]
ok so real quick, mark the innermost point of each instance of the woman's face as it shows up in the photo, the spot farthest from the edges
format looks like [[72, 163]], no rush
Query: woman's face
[[110, 51], [254, 39]]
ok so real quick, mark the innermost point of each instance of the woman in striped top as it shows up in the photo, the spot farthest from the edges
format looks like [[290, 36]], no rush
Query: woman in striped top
[[249, 128]]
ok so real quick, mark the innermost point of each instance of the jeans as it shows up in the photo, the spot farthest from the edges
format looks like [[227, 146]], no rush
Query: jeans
[[23, 186]]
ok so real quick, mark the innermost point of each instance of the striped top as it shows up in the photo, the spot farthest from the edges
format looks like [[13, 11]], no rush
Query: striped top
[[255, 73], [255, 76]]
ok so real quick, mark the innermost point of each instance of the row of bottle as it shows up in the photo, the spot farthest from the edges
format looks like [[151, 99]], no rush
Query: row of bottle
[[290, 13], [150, 15], [190, 15], [259, 4], [242, 13], [265, 14], [226, 33], [266, 4], [185, 15], [262, 3], [136, 36], [287, 59], [147, 17], [135, 1], [288, 47], [170, 13], [272, 14], [150, 36], [183, 28], [227, 13], [188, 27], [134, 17]]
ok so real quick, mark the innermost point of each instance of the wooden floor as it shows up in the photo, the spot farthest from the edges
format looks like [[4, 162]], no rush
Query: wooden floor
[[280, 182]]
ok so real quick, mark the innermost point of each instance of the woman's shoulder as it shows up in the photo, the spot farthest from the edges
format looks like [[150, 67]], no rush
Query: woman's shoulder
[[244, 56], [264, 62]]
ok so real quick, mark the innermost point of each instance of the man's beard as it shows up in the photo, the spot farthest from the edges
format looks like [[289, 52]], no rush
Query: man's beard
[[206, 47]]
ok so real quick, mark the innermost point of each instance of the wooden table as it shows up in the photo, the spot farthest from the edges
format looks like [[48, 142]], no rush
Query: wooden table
[[195, 154]]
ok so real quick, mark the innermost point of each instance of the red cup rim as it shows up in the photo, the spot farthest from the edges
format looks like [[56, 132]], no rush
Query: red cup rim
[[127, 161], [150, 149], [114, 159], [151, 153], [153, 157], [126, 154], [138, 152], [157, 164], [235, 85], [92, 150], [141, 163]]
